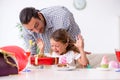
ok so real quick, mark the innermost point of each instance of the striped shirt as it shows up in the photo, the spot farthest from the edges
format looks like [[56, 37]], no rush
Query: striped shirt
[[56, 17]]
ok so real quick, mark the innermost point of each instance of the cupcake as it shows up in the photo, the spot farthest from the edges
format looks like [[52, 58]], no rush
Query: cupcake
[[104, 62], [114, 64]]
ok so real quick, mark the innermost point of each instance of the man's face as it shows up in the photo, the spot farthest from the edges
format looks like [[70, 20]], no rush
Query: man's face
[[35, 25]]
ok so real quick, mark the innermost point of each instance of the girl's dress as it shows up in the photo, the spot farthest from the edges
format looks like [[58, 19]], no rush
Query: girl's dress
[[69, 58]]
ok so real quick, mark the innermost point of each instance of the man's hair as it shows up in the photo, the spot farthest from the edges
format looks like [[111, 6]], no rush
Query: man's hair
[[27, 13]]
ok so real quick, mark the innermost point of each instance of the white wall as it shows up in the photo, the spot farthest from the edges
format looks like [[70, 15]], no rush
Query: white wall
[[99, 22]]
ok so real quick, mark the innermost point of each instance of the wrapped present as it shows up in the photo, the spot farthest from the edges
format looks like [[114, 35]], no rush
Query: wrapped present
[[35, 60]]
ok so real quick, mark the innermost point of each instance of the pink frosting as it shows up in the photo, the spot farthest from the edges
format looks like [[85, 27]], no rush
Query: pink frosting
[[104, 60]]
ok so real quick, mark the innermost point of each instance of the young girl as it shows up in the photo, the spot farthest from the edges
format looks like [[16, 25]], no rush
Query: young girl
[[66, 49]]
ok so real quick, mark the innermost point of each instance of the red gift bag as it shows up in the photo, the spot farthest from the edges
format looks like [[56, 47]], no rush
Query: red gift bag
[[19, 53], [8, 64]]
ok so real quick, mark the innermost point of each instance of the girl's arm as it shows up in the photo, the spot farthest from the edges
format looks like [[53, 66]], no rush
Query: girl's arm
[[83, 60], [40, 45]]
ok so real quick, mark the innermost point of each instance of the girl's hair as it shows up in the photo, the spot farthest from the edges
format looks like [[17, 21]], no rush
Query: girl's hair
[[61, 35]]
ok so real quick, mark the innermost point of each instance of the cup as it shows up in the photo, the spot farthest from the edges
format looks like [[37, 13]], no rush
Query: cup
[[28, 56], [117, 52]]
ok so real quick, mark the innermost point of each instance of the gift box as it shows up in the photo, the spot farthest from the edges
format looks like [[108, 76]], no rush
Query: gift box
[[43, 60]]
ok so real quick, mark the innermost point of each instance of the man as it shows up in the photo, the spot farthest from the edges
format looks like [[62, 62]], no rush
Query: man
[[40, 24]]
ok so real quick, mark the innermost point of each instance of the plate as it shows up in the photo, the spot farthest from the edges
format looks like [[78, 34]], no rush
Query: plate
[[103, 69], [70, 68]]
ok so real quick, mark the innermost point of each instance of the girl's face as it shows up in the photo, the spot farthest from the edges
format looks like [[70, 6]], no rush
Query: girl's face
[[58, 47]]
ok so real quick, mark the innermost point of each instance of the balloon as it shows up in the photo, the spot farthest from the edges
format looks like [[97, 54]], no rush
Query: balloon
[[20, 55]]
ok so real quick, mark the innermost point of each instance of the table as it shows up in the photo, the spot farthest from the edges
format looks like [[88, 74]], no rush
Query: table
[[53, 74]]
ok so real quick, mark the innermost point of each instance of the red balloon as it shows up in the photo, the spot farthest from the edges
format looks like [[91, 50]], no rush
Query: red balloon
[[19, 53]]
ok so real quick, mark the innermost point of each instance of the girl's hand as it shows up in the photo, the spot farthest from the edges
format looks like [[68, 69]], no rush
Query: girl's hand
[[79, 42], [40, 45]]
